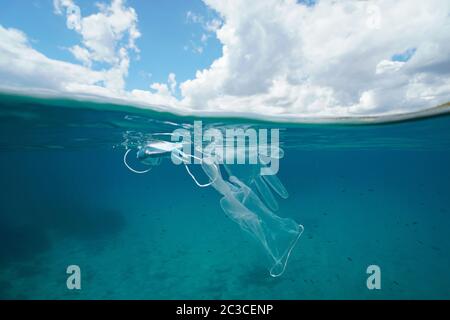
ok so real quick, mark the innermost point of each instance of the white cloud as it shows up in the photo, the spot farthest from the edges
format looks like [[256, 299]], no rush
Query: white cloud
[[105, 33], [81, 54], [22, 68], [333, 58], [388, 66], [59, 5], [107, 37]]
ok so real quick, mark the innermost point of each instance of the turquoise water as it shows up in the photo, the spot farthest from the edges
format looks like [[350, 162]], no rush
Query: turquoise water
[[365, 194]]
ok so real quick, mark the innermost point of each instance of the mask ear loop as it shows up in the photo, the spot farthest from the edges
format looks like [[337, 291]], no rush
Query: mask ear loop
[[130, 168], [184, 160]]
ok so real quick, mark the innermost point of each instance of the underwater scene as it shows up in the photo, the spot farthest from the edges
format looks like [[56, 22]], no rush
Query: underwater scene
[[106, 188]]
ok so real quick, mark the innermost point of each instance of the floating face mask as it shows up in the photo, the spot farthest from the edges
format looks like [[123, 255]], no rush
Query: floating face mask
[[152, 153], [247, 195]]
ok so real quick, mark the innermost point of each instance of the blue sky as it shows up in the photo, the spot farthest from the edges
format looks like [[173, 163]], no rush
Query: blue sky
[[167, 43], [271, 58]]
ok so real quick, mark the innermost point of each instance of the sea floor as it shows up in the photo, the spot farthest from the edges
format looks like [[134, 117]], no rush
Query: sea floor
[[159, 236]]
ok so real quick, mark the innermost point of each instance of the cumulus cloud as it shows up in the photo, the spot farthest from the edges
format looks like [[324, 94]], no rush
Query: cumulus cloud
[[327, 58], [22, 66], [107, 38], [279, 57]]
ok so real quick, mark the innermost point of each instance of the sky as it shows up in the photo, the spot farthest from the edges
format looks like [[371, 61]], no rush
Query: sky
[[305, 58]]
